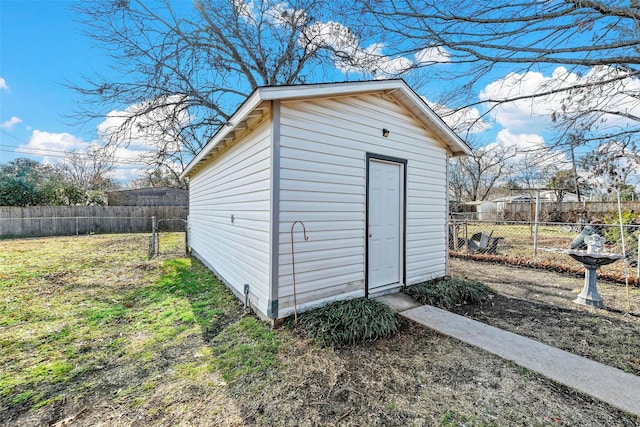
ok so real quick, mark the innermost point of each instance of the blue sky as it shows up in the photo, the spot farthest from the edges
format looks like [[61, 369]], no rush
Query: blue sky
[[42, 47]]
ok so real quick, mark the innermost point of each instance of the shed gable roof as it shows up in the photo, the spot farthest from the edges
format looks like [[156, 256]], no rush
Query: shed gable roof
[[259, 101]]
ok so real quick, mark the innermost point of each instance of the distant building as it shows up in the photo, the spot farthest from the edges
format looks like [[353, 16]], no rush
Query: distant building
[[549, 195], [511, 207], [163, 196]]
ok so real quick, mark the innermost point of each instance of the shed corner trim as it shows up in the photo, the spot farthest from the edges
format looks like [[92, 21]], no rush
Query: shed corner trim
[[272, 309]]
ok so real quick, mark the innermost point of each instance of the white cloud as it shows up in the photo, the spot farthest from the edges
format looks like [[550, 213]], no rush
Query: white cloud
[[280, 14], [380, 65], [432, 55], [529, 150], [523, 114], [50, 145], [334, 36], [124, 172], [621, 95], [526, 114], [151, 124], [3, 84], [351, 56], [9, 124], [466, 120], [154, 126], [284, 15], [244, 9]]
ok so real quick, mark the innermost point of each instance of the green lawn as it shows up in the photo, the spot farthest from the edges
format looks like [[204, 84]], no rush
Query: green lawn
[[73, 309], [93, 332]]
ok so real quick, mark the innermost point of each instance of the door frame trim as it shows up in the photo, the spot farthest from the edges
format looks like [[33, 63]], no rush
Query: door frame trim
[[403, 247]]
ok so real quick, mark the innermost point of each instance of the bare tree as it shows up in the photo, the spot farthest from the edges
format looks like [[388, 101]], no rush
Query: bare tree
[[158, 177], [612, 164], [89, 170], [562, 182], [181, 71], [472, 178], [596, 41]]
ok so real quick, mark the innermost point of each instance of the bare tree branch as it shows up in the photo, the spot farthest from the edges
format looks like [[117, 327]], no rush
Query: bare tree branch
[[596, 43], [181, 71]]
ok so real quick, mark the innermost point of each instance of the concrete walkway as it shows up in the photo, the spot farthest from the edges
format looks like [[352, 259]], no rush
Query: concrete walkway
[[610, 385]]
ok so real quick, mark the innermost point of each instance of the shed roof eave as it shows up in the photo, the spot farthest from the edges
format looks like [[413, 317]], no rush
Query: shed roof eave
[[240, 115], [412, 100], [456, 145]]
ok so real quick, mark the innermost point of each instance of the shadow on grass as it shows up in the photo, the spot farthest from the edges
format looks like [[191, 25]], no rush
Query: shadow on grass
[[242, 345], [211, 303], [118, 344]]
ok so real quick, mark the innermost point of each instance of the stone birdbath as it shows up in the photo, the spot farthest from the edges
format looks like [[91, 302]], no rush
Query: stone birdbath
[[592, 259]]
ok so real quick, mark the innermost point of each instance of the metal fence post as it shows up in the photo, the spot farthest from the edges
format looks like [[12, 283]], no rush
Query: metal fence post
[[153, 236], [537, 224], [466, 235], [186, 236]]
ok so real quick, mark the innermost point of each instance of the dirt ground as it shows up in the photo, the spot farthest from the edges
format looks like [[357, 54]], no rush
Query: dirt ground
[[539, 305], [418, 377]]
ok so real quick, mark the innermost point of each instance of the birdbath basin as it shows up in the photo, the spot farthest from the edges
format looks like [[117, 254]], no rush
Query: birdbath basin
[[592, 262]]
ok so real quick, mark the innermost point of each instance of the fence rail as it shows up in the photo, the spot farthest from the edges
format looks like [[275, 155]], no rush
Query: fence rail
[[540, 242], [567, 212], [76, 220]]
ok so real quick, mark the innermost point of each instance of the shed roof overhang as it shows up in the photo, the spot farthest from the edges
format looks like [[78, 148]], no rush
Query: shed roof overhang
[[259, 101]]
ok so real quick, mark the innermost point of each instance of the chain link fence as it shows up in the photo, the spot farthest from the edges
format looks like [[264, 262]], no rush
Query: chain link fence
[[169, 236], [547, 211], [542, 242]]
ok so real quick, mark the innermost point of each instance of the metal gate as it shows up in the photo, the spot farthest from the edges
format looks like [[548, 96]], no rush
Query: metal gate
[[169, 237]]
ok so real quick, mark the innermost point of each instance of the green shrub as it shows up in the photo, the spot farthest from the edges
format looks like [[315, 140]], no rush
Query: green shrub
[[349, 322], [447, 293]]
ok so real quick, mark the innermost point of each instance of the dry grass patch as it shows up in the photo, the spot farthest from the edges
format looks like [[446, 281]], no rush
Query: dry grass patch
[[95, 321], [92, 333]]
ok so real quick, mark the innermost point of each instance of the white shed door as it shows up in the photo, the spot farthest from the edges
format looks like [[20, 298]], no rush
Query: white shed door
[[385, 224]]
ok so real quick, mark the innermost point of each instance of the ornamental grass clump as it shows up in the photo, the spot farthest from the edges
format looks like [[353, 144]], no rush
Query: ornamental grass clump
[[348, 322], [449, 292]]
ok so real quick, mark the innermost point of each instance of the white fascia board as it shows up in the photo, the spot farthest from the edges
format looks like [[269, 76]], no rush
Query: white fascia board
[[453, 141], [284, 93], [238, 117]]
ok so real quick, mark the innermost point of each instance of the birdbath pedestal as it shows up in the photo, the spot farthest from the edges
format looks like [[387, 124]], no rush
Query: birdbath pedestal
[[592, 262]]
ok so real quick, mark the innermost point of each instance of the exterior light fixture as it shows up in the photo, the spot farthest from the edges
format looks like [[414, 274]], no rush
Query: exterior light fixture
[[385, 132]]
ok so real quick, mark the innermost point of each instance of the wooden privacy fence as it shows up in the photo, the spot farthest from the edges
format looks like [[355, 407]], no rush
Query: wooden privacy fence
[[76, 220], [566, 212]]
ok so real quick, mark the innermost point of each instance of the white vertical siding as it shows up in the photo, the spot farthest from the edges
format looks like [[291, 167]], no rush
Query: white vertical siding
[[236, 183], [322, 183]]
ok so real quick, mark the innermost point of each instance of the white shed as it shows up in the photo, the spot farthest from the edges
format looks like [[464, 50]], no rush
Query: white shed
[[361, 166]]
